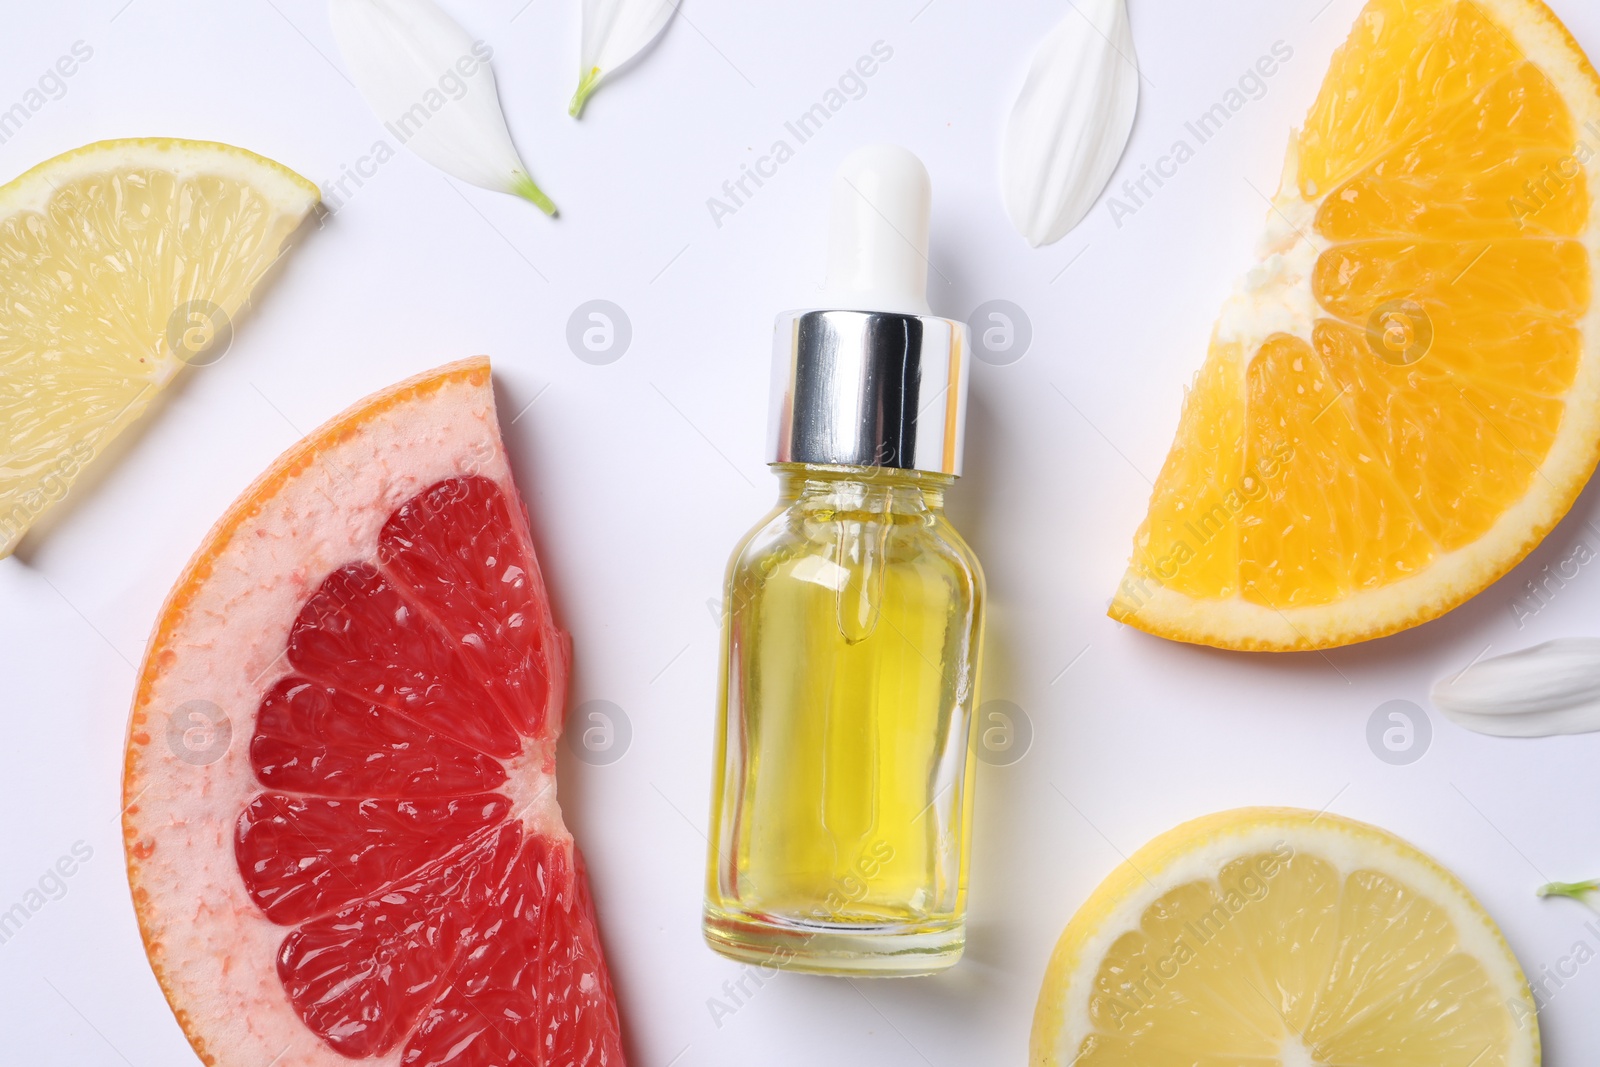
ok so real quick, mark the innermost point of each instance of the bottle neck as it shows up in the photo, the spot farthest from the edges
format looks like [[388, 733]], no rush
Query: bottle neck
[[861, 488]]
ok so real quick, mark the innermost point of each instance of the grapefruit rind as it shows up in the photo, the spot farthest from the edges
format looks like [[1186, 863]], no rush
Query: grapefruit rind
[[1198, 850], [219, 639], [1456, 576]]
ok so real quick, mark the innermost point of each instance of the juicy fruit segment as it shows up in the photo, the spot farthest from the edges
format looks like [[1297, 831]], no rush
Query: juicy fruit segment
[[1424, 421], [422, 910], [1404, 62], [123, 260], [1310, 539], [1292, 944], [1332, 998], [370, 864], [1191, 542]]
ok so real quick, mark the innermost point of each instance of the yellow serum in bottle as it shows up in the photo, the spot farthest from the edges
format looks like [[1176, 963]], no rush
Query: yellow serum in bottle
[[853, 624]]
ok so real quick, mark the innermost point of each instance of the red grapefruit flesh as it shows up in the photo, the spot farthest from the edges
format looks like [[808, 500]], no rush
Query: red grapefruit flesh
[[342, 834]]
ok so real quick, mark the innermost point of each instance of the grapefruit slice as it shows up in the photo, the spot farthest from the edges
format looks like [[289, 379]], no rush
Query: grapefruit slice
[[341, 823]]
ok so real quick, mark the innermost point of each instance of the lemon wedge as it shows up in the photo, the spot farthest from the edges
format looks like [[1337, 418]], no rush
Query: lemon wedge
[[124, 260]]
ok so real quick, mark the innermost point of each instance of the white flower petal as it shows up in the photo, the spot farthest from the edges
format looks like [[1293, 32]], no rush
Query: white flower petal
[[1549, 689], [1071, 122], [615, 32], [432, 86]]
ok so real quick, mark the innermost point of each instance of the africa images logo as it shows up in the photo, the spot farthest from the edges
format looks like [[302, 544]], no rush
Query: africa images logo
[[851, 85], [1251, 86], [1189, 542]]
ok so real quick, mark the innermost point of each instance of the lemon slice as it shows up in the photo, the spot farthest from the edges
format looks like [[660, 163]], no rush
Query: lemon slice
[[1403, 396], [1272, 936], [123, 261]]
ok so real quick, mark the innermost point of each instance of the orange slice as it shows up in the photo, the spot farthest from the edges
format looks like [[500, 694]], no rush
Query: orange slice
[[341, 824], [1403, 396]]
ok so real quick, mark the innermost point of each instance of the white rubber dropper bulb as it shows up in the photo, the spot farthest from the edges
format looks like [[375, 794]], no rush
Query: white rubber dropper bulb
[[878, 233]]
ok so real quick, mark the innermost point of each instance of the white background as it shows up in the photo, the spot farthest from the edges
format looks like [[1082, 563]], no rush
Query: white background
[[641, 475]]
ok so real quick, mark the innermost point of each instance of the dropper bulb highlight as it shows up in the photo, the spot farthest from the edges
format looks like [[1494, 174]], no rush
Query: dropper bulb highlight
[[878, 233]]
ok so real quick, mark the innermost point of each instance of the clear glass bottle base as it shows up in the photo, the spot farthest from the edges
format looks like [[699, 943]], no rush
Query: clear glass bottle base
[[879, 951]]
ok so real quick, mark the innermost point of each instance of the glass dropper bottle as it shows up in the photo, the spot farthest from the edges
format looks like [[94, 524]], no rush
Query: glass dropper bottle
[[853, 623]]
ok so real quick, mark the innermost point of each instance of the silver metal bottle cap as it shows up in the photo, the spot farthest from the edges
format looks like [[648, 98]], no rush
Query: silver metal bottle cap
[[869, 389]]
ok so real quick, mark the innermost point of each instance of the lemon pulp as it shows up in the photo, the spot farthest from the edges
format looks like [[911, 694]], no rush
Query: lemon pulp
[[1284, 938], [123, 261]]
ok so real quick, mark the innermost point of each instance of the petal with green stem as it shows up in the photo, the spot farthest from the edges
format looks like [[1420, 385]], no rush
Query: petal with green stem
[[615, 34], [1582, 892]]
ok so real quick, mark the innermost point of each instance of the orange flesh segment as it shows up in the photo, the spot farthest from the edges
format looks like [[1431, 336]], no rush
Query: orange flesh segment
[[1448, 168]]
